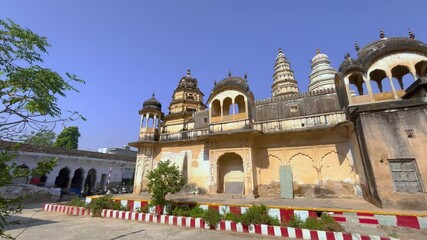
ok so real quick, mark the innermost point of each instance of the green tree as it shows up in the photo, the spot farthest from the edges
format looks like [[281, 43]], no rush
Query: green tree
[[42, 138], [166, 178], [68, 138], [29, 96]]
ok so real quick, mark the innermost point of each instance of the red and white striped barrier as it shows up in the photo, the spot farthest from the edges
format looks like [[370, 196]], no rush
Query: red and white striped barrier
[[277, 231], [285, 214], [70, 210]]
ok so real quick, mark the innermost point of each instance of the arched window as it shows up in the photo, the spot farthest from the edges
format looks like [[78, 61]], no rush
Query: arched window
[[421, 68], [241, 106], [150, 121], [401, 77], [357, 85], [226, 105], [216, 108], [378, 76]]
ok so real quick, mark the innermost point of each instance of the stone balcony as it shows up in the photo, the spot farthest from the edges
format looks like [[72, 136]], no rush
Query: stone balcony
[[183, 135], [298, 123]]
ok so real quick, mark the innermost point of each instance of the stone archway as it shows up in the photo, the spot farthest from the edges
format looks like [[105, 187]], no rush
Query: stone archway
[[63, 178], [230, 174], [90, 182], [77, 181]]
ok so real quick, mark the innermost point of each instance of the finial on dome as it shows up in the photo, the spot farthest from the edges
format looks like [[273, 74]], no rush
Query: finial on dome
[[347, 55], [280, 50], [246, 76], [356, 46], [317, 50], [188, 72], [382, 34], [153, 95], [214, 82], [411, 34], [229, 73]]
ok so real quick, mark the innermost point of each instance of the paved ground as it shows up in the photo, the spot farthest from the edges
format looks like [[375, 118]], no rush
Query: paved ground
[[52, 225]]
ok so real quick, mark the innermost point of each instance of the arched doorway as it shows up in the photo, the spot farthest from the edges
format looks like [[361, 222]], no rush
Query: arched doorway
[[61, 181], [77, 181], [90, 181], [230, 174]]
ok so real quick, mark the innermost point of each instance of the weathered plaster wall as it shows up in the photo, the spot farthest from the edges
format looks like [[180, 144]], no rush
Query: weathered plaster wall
[[322, 163], [191, 158], [386, 139]]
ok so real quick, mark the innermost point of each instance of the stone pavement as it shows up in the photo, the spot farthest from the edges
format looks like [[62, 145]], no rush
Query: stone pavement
[[38, 224], [329, 204]]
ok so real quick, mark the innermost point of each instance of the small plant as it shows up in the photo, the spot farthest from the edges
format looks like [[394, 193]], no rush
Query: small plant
[[166, 178], [329, 224], [143, 209], [76, 202], [258, 214], [294, 221], [104, 202], [197, 212], [212, 217], [232, 217], [181, 211], [312, 223]]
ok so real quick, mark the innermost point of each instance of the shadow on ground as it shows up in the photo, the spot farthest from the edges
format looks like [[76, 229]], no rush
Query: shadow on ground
[[25, 222]]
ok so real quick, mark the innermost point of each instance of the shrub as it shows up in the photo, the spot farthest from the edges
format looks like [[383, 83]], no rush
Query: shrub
[[104, 202], [212, 217], [181, 211], [76, 202], [144, 209], [164, 179], [232, 217], [329, 224], [312, 223], [197, 212], [258, 214], [294, 222]]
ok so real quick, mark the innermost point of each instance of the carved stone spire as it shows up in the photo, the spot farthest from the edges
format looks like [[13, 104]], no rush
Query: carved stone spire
[[284, 82], [322, 75]]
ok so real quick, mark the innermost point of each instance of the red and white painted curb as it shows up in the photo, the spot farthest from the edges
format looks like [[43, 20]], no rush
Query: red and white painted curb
[[277, 231], [284, 214], [70, 210]]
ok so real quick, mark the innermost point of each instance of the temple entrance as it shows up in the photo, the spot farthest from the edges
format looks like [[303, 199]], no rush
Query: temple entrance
[[61, 181], [230, 174], [90, 182]]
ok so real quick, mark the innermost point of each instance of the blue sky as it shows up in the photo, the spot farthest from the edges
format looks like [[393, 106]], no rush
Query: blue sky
[[126, 50]]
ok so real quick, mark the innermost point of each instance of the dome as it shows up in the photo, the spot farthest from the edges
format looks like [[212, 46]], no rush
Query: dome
[[350, 64], [319, 57], [152, 104], [237, 83], [188, 82], [375, 50], [232, 82]]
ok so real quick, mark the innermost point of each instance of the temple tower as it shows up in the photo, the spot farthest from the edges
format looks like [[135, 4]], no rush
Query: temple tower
[[186, 100], [284, 82], [322, 74]]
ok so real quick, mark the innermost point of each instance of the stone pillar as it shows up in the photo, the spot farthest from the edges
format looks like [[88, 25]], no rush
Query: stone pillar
[[393, 89]]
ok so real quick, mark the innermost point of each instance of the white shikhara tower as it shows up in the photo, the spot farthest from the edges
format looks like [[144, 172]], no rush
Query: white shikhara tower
[[322, 74], [284, 82]]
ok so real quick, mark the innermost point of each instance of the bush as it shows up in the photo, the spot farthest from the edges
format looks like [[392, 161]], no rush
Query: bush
[[312, 223], [212, 217], [294, 222], [232, 217], [197, 212], [181, 211], [166, 178], [329, 224], [104, 202], [258, 214], [76, 202]]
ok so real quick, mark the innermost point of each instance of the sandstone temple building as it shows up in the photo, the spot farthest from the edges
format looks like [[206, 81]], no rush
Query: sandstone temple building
[[359, 132]]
